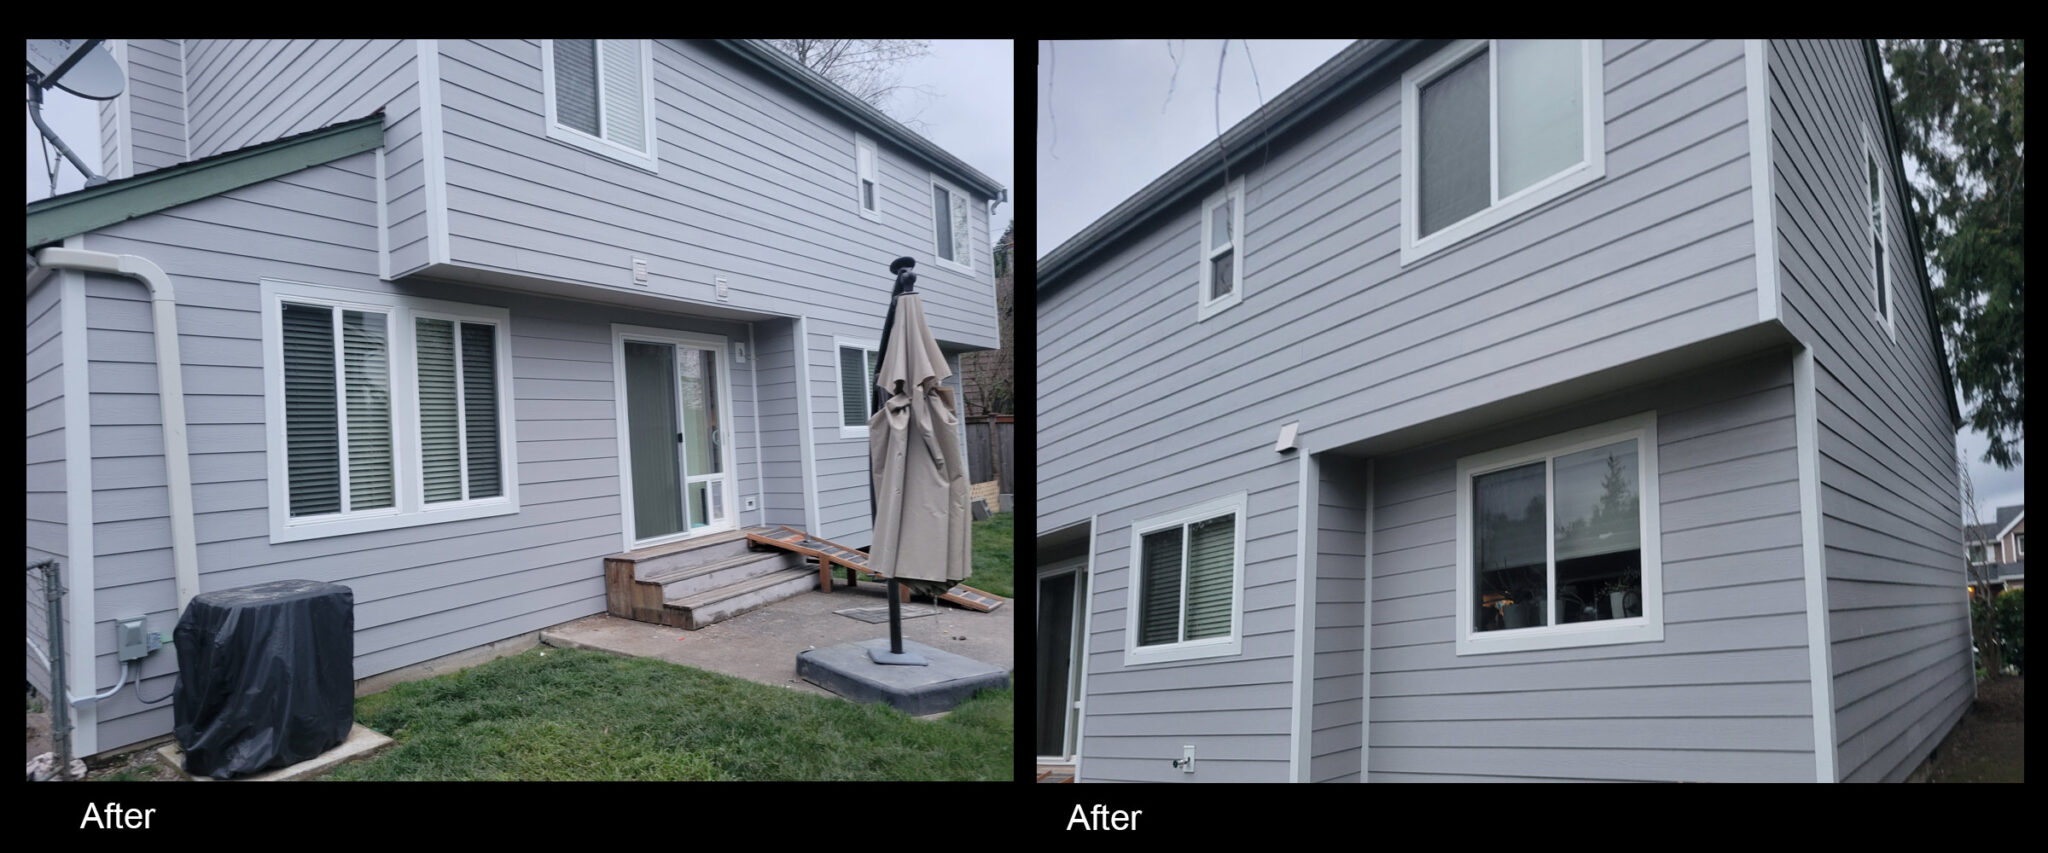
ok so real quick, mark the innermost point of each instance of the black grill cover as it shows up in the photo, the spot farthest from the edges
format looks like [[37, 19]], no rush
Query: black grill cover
[[266, 676]]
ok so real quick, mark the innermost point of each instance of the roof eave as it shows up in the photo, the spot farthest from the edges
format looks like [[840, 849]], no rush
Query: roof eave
[[1875, 60], [57, 217], [1343, 73], [782, 66]]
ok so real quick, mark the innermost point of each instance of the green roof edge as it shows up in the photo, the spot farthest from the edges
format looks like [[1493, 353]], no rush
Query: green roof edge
[[55, 218]]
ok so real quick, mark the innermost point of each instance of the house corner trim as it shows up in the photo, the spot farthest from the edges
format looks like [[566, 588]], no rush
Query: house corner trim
[[1818, 653], [1763, 205]]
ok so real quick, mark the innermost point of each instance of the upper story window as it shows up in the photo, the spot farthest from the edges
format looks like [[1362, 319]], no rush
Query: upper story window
[[867, 181], [1186, 594], [1879, 221], [859, 363], [1980, 553], [953, 245], [384, 411], [1492, 128], [600, 96], [1558, 541], [1222, 261]]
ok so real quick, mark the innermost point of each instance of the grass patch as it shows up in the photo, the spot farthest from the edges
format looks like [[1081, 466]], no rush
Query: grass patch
[[994, 546], [565, 714]]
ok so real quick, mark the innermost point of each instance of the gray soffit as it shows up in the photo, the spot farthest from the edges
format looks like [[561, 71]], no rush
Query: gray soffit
[[781, 66], [1344, 72], [57, 217]]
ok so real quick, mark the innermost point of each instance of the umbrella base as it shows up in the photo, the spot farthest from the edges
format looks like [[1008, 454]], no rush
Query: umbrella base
[[847, 669], [889, 658]]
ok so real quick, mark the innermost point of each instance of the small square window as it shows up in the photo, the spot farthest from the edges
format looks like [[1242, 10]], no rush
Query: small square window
[[1557, 541], [600, 96], [1187, 583], [1222, 257]]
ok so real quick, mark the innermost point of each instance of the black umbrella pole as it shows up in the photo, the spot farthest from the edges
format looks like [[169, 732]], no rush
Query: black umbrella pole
[[895, 618]]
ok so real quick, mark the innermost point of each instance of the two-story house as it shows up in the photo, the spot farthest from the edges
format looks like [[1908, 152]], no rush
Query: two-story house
[[1997, 549], [1502, 410], [450, 321]]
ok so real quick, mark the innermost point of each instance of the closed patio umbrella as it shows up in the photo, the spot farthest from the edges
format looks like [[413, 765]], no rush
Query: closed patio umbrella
[[919, 473]]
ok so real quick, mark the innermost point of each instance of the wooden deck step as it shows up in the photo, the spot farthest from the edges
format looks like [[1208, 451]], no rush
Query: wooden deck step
[[699, 581]]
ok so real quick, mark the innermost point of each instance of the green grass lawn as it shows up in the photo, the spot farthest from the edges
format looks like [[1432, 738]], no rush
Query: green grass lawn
[[993, 556], [563, 714]]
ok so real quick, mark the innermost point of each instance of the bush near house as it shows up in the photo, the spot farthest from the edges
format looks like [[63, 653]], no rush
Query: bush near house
[[2011, 619]]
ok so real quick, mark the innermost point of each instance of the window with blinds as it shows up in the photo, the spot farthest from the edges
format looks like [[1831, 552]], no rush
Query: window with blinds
[[858, 366], [337, 401], [458, 409], [599, 96], [382, 407], [1495, 127], [1187, 583]]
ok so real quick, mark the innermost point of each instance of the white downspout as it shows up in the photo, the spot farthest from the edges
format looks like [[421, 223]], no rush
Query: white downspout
[[170, 395]]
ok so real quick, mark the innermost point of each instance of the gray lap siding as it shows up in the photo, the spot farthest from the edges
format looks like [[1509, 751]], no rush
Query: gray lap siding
[[420, 591]]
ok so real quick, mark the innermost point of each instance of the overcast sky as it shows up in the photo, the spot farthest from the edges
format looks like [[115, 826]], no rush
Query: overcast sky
[[970, 112], [1114, 115]]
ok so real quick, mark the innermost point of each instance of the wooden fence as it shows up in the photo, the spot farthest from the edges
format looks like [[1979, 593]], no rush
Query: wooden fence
[[989, 451]]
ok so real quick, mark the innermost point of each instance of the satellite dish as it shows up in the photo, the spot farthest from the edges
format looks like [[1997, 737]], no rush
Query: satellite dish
[[79, 66]]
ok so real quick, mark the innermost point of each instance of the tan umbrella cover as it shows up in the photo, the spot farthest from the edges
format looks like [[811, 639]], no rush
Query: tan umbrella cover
[[914, 454]]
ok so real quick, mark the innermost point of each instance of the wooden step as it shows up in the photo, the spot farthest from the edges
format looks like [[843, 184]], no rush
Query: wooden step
[[725, 602], [689, 580]]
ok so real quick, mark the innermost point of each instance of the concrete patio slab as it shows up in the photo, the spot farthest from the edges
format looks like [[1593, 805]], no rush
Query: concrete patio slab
[[762, 645], [361, 743]]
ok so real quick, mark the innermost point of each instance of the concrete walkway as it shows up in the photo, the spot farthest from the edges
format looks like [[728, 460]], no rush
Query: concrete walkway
[[762, 645]]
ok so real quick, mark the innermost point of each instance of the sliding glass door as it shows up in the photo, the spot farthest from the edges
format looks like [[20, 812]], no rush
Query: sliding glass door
[[675, 458]]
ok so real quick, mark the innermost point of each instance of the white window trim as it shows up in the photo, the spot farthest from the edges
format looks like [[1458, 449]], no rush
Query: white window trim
[[1591, 167], [644, 159], [1210, 647], [862, 143], [407, 479], [1206, 253], [1887, 316], [965, 265], [839, 377], [1648, 627]]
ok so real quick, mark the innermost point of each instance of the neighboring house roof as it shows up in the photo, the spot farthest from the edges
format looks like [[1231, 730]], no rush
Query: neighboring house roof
[[1349, 68], [1979, 534], [2007, 517], [60, 216], [782, 65], [2015, 570]]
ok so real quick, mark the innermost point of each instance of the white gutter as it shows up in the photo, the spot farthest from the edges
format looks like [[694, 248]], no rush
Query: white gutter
[[170, 394]]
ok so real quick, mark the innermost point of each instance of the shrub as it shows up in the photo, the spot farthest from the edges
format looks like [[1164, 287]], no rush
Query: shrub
[[2011, 619]]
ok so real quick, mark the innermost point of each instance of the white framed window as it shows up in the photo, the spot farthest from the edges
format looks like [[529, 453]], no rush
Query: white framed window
[[1491, 128], [1558, 541], [1186, 590], [952, 241], [858, 364], [383, 411], [600, 96], [1980, 554], [1879, 231], [1222, 259], [867, 180]]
